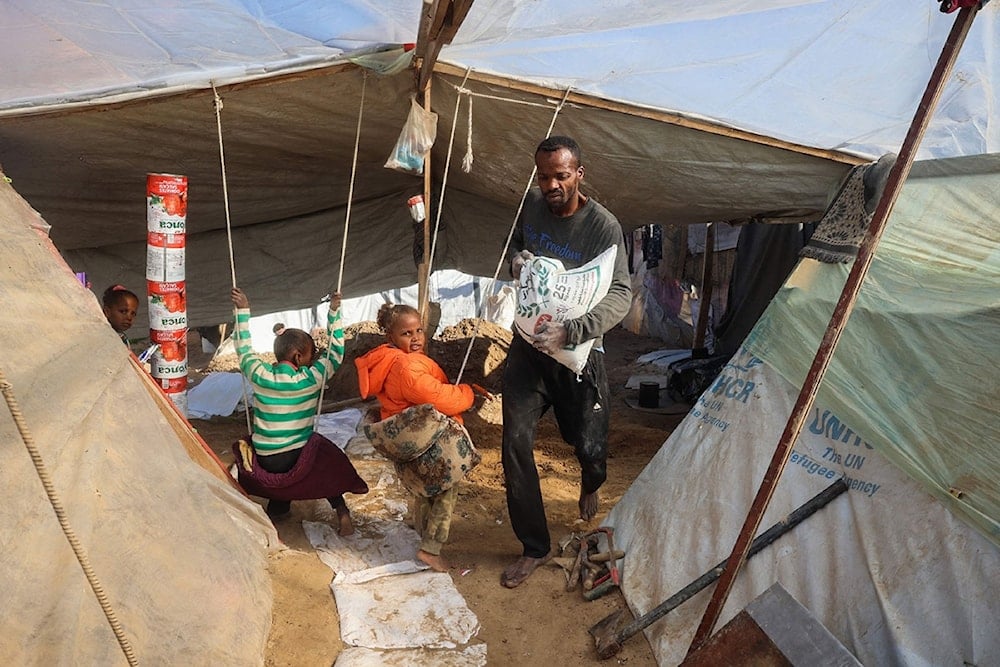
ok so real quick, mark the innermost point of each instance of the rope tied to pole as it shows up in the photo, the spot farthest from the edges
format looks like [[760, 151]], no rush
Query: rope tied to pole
[[217, 103], [347, 224]]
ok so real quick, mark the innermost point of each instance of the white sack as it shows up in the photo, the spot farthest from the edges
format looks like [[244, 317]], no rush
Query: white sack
[[547, 292]]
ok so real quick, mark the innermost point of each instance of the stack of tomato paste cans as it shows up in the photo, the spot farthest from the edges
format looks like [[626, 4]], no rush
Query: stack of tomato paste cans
[[166, 215]]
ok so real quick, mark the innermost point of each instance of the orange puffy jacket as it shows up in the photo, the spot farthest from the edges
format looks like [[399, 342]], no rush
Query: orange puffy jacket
[[402, 380]]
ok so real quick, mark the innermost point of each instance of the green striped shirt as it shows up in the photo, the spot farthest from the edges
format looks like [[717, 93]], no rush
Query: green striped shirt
[[284, 397]]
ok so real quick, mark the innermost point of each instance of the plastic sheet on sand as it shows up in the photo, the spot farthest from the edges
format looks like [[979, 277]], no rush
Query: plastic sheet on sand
[[389, 602]]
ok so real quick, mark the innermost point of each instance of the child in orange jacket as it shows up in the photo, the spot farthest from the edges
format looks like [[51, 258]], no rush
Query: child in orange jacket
[[401, 375]]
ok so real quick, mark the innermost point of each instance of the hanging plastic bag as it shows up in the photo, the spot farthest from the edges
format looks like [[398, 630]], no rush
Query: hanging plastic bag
[[416, 139]]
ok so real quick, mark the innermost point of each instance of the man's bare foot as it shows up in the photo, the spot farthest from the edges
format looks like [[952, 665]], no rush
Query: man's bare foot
[[521, 569], [589, 503], [436, 561], [345, 525]]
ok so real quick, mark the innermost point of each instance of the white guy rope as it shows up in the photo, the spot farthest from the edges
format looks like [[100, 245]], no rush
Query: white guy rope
[[510, 235], [347, 223], [229, 239]]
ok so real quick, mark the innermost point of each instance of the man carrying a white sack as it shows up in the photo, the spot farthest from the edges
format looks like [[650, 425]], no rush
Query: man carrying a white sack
[[558, 222]]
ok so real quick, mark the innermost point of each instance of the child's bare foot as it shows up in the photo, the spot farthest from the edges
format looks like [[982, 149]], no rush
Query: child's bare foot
[[346, 525], [589, 503], [435, 561]]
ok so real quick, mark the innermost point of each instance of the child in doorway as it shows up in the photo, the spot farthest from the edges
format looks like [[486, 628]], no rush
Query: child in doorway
[[120, 306], [401, 375], [290, 461]]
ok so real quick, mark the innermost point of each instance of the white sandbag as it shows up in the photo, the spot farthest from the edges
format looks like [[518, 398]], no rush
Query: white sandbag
[[547, 292]]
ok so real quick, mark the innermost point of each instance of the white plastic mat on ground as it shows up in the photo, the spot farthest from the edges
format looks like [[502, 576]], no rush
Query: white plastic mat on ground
[[422, 609], [386, 598], [470, 656]]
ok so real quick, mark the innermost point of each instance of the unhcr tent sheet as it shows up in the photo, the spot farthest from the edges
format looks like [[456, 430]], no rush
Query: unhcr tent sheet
[[915, 365], [901, 569], [179, 552]]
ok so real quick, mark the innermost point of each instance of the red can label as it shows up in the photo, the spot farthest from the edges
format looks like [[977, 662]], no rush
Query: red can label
[[166, 203], [164, 287], [167, 306], [162, 368], [160, 337], [174, 385]]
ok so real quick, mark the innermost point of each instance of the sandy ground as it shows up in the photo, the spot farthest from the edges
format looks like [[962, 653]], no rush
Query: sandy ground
[[538, 623]]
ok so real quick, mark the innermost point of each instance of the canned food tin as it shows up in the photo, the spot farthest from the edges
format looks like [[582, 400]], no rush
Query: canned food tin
[[164, 264], [166, 203], [167, 306], [161, 367]]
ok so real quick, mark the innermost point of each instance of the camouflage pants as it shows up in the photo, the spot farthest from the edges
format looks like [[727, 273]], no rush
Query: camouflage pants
[[432, 519]]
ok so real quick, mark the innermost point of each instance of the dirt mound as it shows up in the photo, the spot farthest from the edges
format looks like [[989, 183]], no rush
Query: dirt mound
[[489, 350]]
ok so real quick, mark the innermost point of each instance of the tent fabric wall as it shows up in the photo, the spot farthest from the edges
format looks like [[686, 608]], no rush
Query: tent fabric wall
[[179, 552], [886, 568], [902, 571], [912, 369], [288, 149]]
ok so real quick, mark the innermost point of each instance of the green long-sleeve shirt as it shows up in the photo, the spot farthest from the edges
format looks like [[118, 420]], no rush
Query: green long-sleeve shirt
[[285, 398]]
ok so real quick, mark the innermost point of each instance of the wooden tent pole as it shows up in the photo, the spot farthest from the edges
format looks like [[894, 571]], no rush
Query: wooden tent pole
[[705, 298], [841, 313], [423, 271]]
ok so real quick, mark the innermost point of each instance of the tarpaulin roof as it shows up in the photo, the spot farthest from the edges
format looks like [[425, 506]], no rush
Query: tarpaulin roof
[[721, 110]]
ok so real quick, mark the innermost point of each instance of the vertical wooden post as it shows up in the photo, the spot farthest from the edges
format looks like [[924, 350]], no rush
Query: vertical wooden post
[[705, 298], [423, 271], [841, 312]]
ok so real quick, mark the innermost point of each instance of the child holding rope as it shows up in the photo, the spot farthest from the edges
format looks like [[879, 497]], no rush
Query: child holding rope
[[402, 376], [289, 460]]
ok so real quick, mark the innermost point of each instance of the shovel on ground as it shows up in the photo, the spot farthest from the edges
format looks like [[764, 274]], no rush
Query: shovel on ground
[[610, 632]]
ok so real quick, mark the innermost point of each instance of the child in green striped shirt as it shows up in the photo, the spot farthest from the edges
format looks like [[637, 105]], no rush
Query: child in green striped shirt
[[291, 460]]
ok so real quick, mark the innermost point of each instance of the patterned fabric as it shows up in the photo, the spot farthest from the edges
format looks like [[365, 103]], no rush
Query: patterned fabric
[[285, 398], [431, 452], [432, 519], [842, 228]]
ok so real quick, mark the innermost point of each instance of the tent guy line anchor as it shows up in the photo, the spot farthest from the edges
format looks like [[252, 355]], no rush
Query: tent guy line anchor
[[74, 542], [841, 313]]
